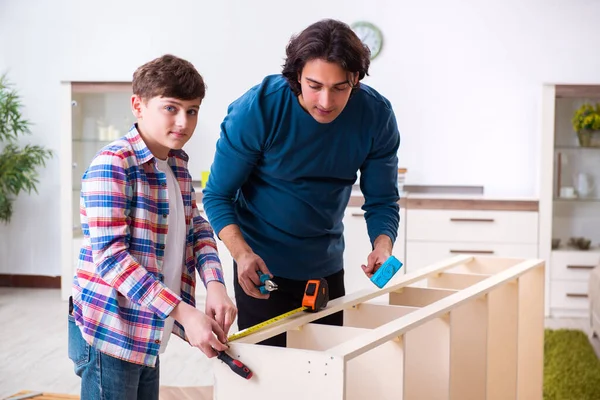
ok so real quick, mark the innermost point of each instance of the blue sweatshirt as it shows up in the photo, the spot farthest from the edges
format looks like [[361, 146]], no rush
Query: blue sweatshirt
[[285, 179]]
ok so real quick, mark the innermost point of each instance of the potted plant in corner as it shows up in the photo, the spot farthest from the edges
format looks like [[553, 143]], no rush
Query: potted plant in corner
[[18, 163], [586, 122]]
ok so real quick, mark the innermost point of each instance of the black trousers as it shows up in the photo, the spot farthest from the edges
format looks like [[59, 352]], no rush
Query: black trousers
[[252, 311]]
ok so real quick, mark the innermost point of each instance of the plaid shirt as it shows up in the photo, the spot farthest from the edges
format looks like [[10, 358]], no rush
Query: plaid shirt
[[124, 216]]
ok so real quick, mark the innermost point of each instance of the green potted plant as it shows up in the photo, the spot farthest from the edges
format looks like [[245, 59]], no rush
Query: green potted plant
[[18, 163], [586, 122]]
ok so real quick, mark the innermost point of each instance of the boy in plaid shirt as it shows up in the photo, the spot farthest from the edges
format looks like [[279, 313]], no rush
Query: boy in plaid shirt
[[144, 239]]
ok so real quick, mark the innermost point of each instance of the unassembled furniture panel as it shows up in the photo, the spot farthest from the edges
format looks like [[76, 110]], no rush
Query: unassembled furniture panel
[[464, 328]]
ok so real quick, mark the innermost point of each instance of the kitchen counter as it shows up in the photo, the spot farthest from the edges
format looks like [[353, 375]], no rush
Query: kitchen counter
[[433, 201], [442, 201]]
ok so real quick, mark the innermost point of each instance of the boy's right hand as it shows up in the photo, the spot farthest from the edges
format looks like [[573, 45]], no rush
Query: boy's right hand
[[249, 268], [201, 331]]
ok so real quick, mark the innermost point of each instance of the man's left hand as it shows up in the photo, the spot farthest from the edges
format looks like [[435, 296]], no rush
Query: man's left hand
[[381, 252], [219, 306]]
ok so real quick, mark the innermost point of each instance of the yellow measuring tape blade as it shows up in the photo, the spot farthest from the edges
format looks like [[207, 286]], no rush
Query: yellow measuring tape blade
[[262, 325]]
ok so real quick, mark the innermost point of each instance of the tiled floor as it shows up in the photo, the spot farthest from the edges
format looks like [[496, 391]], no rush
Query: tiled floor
[[33, 347]]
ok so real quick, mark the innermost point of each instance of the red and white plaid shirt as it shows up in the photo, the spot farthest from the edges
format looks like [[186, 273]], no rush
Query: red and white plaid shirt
[[124, 216]]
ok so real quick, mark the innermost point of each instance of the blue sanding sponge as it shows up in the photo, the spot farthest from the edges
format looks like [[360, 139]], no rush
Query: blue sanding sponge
[[386, 271]]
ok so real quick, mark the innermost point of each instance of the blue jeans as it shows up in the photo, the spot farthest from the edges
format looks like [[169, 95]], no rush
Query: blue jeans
[[107, 378]]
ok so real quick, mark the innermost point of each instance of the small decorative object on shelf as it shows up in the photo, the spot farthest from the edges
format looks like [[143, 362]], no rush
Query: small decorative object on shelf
[[580, 242], [586, 122], [568, 192], [401, 178], [555, 243]]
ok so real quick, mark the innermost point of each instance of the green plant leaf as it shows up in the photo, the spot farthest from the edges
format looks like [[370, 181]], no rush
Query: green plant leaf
[[18, 164]]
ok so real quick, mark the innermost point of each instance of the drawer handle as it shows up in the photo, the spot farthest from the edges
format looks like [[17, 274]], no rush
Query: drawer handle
[[358, 214], [581, 266], [577, 295], [473, 251], [472, 219]]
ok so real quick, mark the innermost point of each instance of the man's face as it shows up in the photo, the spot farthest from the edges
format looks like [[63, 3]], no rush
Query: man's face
[[165, 123], [325, 89]]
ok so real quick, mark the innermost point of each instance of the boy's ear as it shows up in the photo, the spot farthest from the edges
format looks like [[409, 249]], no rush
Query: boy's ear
[[136, 106]]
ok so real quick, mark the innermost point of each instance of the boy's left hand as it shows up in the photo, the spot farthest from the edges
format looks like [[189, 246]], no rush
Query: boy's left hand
[[219, 306]]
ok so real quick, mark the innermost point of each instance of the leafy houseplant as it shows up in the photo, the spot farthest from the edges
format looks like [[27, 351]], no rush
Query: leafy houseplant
[[18, 164], [586, 122]]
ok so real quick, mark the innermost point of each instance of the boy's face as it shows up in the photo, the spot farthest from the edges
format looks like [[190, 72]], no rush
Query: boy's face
[[165, 123], [325, 89]]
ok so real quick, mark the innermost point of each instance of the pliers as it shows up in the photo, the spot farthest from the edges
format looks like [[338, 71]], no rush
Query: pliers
[[267, 284]]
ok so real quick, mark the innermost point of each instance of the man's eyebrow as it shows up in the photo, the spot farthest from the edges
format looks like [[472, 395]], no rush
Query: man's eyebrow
[[335, 84]]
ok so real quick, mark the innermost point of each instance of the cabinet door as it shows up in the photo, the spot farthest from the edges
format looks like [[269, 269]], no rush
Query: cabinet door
[[473, 226], [423, 254], [569, 299], [573, 265], [226, 264], [400, 245], [93, 115], [358, 248]]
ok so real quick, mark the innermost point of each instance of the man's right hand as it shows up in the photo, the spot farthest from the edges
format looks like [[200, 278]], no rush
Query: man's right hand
[[249, 268], [249, 265], [201, 331]]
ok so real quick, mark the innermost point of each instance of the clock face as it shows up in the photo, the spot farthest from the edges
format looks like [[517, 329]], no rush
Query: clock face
[[370, 35]]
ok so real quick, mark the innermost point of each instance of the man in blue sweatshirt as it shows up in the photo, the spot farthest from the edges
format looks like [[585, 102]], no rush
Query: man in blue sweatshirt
[[284, 167]]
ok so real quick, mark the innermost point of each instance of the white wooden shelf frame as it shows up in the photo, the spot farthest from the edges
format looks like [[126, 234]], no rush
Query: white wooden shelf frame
[[475, 331]]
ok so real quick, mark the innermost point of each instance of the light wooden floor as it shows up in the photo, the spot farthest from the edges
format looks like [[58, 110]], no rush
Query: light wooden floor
[[33, 347]]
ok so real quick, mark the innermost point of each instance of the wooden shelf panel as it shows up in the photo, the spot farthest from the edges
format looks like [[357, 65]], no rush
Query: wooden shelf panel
[[578, 91]]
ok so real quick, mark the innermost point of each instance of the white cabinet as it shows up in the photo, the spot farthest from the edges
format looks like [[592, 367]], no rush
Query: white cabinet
[[434, 235], [422, 254], [226, 264], [569, 200], [358, 248], [92, 115], [569, 274], [472, 226]]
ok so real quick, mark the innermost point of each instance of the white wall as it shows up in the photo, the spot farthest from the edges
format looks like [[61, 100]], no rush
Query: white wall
[[464, 78]]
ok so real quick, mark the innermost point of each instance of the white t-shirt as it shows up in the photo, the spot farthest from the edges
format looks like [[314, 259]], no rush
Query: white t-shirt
[[175, 243]]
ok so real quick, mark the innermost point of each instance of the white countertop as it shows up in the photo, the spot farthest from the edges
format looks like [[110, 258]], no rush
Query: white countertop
[[437, 196], [452, 196], [445, 196]]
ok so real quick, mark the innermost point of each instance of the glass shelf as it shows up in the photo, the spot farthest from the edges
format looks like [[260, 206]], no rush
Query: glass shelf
[[93, 140], [98, 118], [575, 148], [577, 200], [592, 249]]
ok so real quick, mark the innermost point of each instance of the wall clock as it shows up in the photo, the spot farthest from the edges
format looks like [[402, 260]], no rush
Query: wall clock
[[370, 35]]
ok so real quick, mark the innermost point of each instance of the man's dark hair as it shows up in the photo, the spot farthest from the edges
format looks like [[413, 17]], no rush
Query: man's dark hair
[[329, 40], [168, 76]]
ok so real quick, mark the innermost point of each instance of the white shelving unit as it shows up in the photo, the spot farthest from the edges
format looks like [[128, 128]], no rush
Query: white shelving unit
[[562, 215], [93, 115]]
